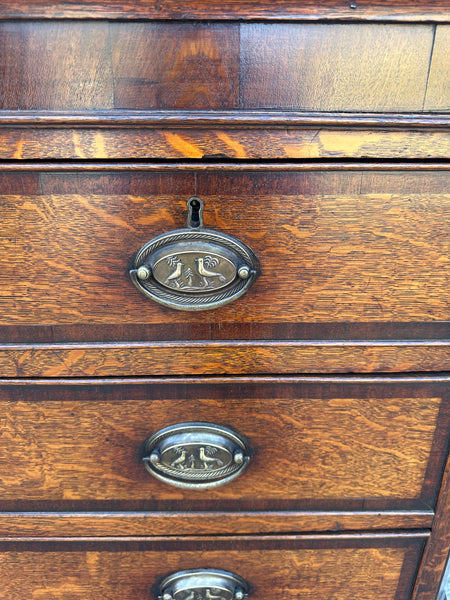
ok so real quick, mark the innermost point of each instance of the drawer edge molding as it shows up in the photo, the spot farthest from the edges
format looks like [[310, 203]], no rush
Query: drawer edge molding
[[303, 540], [221, 118], [218, 358], [363, 379], [69, 166], [237, 134], [332, 10], [99, 524]]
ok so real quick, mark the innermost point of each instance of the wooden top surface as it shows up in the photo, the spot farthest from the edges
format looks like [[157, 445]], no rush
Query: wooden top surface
[[401, 10]]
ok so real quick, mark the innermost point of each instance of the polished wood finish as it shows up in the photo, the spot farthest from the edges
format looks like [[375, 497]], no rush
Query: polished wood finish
[[218, 358], [73, 66], [395, 10], [227, 135], [97, 524], [339, 59], [191, 120], [170, 66], [341, 442], [304, 566], [246, 104], [334, 245], [438, 88], [437, 553], [218, 166], [100, 65], [54, 65], [427, 335], [237, 144]]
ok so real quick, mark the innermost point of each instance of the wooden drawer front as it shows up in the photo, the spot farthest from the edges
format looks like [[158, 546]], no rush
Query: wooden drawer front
[[221, 66], [243, 134], [335, 245], [339, 567], [378, 444]]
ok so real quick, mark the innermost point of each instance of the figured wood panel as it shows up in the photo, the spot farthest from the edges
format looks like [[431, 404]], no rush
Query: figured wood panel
[[236, 143], [55, 65], [438, 88], [335, 67], [312, 443], [96, 65], [338, 568], [334, 245], [169, 66]]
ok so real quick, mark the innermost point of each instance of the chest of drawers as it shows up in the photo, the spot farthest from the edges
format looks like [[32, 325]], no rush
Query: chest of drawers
[[299, 432]]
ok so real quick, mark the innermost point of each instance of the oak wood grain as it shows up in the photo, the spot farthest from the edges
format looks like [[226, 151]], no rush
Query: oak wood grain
[[55, 65], [230, 134], [26, 143], [132, 523], [438, 88], [99, 65], [436, 552], [310, 442], [335, 67], [88, 167], [337, 567], [170, 66], [334, 244], [96, 65], [220, 119], [396, 10], [218, 358], [363, 245]]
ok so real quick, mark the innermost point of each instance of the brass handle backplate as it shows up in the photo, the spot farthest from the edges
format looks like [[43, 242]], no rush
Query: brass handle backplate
[[196, 455], [194, 269], [203, 584]]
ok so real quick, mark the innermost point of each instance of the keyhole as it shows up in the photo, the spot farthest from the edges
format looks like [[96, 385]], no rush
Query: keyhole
[[195, 213]]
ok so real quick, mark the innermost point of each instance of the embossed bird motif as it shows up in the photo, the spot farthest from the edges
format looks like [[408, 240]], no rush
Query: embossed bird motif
[[178, 463], [210, 596], [175, 275], [209, 461], [206, 274]]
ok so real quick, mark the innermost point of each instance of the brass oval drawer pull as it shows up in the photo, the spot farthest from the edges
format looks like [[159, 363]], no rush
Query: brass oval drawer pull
[[203, 584], [196, 455], [194, 268]]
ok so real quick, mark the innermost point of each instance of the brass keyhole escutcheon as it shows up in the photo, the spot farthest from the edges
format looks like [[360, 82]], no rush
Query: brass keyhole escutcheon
[[194, 268]]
